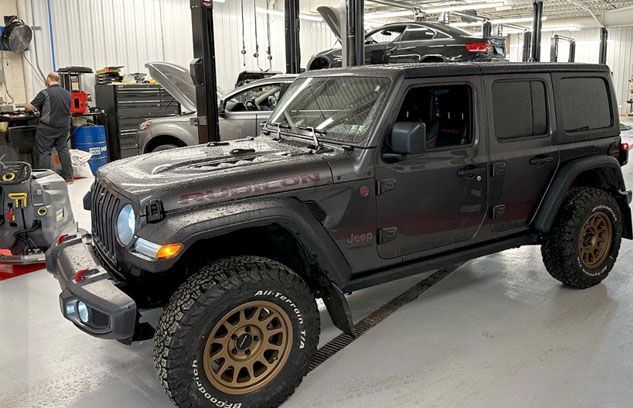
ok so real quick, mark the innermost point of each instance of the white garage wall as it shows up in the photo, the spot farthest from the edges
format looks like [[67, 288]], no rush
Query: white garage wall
[[619, 54], [96, 33]]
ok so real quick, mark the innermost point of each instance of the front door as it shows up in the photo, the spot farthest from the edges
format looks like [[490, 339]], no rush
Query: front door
[[435, 200], [381, 44], [243, 110], [523, 152]]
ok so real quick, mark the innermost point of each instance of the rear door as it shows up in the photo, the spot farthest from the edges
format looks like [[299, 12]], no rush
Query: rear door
[[419, 41], [523, 149]]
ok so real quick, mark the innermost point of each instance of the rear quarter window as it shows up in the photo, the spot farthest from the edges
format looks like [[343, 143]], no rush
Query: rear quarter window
[[586, 104]]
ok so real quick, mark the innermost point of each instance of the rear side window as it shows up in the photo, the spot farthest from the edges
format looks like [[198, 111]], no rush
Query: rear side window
[[586, 104], [520, 109]]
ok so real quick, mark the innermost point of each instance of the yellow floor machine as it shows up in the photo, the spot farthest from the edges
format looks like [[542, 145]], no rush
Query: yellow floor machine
[[36, 210]]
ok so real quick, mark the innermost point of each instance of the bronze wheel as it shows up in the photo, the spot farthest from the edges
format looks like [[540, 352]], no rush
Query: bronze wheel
[[248, 347], [594, 240]]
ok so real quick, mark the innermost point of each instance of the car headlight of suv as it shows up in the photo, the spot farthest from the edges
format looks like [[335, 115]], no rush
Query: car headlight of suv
[[145, 125], [126, 225]]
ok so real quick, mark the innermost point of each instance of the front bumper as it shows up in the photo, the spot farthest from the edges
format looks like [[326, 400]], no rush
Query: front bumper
[[90, 298]]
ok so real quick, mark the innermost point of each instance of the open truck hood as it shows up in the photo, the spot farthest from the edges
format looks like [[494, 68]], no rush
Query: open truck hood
[[177, 81], [332, 18]]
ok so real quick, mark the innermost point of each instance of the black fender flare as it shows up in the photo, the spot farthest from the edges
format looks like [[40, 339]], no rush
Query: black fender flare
[[565, 178], [193, 225]]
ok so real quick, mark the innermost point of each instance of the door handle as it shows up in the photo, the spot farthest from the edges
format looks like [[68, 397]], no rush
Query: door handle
[[541, 160], [471, 172]]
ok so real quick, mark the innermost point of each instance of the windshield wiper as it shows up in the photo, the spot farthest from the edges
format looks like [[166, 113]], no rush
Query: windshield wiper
[[318, 146]]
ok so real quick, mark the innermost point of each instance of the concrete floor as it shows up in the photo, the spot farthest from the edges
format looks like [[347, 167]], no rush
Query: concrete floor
[[498, 332]]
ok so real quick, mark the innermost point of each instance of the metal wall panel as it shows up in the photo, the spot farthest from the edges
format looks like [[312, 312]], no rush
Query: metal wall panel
[[97, 33], [619, 54]]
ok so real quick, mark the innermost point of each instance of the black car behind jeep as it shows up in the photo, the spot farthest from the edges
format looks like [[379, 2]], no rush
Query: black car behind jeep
[[412, 41], [359, 178]]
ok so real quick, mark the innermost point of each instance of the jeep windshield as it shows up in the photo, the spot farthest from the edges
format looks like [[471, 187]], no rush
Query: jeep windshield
[[340, 109]]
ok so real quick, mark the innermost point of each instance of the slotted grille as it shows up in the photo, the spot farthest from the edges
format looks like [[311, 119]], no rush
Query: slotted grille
[[105, 207]]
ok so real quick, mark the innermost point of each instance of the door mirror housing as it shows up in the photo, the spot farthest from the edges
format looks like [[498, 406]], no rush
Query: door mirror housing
[[221, 110], [408, 137]]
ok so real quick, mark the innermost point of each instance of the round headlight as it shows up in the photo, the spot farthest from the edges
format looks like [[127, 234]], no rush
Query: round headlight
[[126, 225]]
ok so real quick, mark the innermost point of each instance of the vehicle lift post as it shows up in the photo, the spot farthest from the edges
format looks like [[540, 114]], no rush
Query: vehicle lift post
[[293, 45], [527, 43], [537, 25], [203, 71], [553, 56], [353, 30], [604, 38]]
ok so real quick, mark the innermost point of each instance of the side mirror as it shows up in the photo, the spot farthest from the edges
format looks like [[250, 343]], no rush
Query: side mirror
[[221, 110], [408, 137]]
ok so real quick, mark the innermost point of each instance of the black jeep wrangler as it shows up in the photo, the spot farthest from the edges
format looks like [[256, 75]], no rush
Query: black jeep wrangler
[[361, 176]]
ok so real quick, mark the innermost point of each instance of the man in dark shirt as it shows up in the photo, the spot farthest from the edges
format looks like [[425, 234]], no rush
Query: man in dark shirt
[[53, 103]]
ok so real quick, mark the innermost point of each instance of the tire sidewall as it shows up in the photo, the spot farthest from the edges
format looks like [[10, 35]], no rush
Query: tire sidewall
[[613, 213], [202, 391]]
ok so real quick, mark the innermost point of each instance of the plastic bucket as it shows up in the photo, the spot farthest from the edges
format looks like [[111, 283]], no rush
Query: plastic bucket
[[92, 139]]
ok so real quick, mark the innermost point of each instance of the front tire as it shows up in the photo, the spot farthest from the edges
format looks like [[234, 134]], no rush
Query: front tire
[[582, 246], [242, 330]]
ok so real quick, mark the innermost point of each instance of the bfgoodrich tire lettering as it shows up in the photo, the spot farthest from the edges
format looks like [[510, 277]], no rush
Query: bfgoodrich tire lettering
[[589, 221], [223, 293]]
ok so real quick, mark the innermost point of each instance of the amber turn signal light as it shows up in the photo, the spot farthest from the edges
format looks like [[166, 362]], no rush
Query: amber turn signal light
[[168, 251]]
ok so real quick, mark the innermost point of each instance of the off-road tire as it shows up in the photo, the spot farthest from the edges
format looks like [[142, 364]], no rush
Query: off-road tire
[[199, 306], [561, 246]]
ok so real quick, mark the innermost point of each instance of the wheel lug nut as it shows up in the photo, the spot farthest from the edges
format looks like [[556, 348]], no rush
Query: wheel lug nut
[[234, 337], [256, 338], [248, 330], [234, 351], [248, 352]]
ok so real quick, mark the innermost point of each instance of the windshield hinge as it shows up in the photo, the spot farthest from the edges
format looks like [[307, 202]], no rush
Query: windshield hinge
[[155, 211]]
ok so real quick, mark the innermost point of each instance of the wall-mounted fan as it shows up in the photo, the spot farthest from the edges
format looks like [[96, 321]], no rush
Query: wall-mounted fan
[[16, 35]]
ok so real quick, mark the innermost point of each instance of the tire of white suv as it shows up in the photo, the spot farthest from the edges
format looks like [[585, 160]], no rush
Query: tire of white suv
[[583, 244], [242, 330]]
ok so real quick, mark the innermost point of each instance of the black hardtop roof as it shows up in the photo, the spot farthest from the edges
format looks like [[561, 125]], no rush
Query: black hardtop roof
[[441, 69]]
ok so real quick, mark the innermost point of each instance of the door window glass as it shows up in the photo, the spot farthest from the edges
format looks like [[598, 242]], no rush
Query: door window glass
[[586, 104], [387, 35], [418, 33], [260, 98], [520, 109], [446, 112]]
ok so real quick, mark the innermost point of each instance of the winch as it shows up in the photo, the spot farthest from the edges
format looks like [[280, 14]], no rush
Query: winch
[[35, 210]]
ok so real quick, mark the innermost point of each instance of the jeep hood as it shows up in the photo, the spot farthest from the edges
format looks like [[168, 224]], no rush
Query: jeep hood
[[216, 172], [177, 81]]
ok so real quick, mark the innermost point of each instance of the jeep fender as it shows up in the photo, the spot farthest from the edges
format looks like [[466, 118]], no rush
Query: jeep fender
[[564, 180], [209, 222]]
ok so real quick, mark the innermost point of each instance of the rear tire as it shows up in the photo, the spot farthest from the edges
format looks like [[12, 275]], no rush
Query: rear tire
[[242, 330], [583, 244]]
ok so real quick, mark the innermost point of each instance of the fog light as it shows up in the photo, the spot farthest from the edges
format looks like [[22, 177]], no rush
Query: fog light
[[82, 309]]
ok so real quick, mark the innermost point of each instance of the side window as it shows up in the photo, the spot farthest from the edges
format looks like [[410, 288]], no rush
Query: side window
[[446, 112], [260, 98], [520, 109], [418, 33], [586, 104], [385, 36]]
